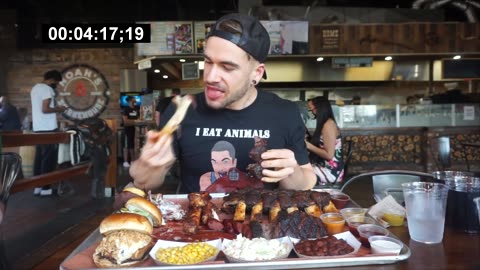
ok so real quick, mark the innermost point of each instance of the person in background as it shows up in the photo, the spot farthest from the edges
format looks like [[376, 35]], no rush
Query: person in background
[[231, 108], [356, 100], [326, 144], [163, 104], [44, 119], [129, 115], [9, 117]]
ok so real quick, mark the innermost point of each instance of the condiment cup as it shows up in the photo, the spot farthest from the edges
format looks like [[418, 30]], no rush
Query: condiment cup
[[367, 230], [385, 244], [394, 218], [340, 200], [347, 212], [356, 220], [334, 222]]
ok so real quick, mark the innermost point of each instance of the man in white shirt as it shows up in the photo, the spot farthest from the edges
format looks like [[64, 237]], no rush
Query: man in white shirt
[[44, 119]]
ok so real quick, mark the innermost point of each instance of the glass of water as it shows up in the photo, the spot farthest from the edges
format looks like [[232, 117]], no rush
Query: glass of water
[[426, 207]]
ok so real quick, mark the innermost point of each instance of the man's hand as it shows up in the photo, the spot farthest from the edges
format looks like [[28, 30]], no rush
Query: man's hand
[[156, 158], [281, 166], [278, 164]]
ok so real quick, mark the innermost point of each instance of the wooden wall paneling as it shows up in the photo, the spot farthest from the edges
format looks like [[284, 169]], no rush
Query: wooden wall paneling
[[348, 41], [385, 36], [403, 41], [468, 37], [437, 37]]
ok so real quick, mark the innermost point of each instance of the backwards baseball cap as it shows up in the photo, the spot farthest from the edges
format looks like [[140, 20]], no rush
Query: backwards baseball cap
[[254, 38]]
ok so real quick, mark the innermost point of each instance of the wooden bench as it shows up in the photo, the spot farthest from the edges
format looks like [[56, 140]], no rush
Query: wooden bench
[[17, 139]]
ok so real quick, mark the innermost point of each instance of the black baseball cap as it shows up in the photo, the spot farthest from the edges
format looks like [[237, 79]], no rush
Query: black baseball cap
[[254, 38]]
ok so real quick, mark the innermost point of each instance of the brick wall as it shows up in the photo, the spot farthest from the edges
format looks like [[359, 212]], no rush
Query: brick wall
[[21, 69], [26, 68]]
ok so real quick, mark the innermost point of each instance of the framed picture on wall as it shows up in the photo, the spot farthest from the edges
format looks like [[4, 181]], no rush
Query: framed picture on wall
[[168, 38]]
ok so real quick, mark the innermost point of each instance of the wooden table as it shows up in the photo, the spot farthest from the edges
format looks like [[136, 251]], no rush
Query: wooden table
[[457, 251]]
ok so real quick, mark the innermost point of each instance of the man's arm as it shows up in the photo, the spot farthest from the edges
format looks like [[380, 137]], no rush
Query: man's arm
[[46, 107], [303, 178]]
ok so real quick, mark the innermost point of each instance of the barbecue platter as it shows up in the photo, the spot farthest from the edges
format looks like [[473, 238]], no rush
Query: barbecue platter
[[253, 213], [244, 220]]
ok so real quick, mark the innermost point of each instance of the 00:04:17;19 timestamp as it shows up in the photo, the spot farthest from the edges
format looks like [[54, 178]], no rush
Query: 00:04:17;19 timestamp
[[69, 33]]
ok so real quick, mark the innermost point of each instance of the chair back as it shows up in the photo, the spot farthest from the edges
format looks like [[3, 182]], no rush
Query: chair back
[[391, 184], [9, 167]]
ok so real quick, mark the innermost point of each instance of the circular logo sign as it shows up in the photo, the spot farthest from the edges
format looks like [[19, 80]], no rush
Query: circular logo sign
[[84, 91]]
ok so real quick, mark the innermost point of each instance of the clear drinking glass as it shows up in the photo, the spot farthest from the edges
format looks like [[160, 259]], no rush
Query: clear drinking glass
[[426, 207]]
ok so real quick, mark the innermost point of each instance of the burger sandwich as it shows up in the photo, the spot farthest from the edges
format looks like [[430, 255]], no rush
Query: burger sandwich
[[144, 207], [126, 241], [126, 194]]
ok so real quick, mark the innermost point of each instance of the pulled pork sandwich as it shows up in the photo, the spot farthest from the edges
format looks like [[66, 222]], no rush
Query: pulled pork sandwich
[[126, 241], [144, 207]]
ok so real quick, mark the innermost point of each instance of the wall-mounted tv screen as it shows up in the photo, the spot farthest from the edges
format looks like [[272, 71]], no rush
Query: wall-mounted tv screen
[[136, 95], [461, 69]]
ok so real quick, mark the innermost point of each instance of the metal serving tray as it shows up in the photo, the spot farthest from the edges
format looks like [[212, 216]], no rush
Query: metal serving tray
[[289, 263]]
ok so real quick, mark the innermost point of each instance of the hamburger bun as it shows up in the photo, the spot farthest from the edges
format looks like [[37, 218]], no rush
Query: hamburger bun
[[135, 190], [125, 221], [145, 207]]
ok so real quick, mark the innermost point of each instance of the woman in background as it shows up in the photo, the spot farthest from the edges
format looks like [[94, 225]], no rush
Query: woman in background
[[325, 147]]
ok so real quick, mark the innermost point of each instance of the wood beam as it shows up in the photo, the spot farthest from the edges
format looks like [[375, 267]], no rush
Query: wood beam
[[15, 139]]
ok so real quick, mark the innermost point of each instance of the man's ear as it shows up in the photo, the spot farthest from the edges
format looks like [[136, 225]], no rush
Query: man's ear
[[259, 72]]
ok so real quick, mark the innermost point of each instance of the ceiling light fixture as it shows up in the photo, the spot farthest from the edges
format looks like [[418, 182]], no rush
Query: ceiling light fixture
[[165, 76], [157, 71], [182, 60], [388, 58], [319, 59], [456, 57]]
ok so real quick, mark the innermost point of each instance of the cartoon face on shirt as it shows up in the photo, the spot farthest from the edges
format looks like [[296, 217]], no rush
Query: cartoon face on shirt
[[222, 162]]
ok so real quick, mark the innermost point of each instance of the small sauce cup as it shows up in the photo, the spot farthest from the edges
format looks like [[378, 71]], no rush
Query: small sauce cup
[[367, 230], [334, 222], [347, 212], [385, 244], [394, 218], [340, 200], [356, 220]]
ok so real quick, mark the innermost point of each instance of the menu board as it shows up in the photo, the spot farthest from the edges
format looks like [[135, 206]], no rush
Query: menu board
[[287, 37], [200, 30], [168, 38]]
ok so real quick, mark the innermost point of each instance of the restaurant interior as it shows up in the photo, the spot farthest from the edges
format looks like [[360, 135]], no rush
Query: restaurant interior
[[402, 78]]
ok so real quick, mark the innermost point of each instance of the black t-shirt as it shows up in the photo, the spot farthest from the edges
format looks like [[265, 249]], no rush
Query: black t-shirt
[[269, 117], [132, 114]]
